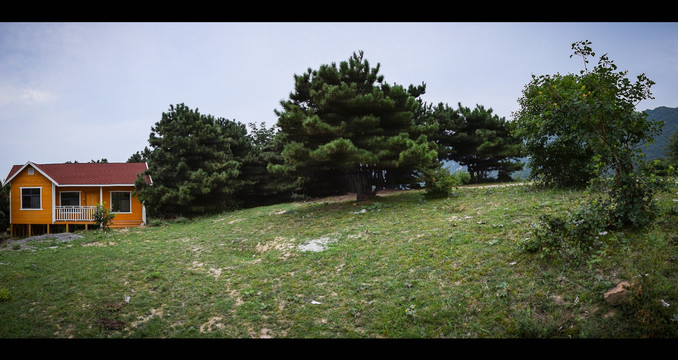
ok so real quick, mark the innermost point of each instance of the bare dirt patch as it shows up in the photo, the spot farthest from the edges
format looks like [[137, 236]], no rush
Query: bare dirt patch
[[352, 196]]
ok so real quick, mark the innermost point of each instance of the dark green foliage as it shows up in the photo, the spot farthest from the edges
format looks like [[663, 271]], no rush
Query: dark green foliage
[[260, 186], [4, 208], [593, 112], [558, 155], [658, 167], [346, 129], [439, 182], [573, 237], [598, 108], [140, 156], [193, 162], [672, 148], [632, 197], [478, 140], [446, 121]]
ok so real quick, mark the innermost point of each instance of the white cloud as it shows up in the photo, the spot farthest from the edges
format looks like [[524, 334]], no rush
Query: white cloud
[[24, 96]]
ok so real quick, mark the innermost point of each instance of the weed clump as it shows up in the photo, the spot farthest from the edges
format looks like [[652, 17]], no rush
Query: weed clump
[[5, 294], [571, 237]]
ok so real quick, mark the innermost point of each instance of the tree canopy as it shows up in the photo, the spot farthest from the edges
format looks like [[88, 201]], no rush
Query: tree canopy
[[193, 162], [477, 139], [345, 123], [594, 112]]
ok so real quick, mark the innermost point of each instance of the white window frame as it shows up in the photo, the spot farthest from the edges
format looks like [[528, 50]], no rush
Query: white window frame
[[61, 203], [130, 202], [21, 190]]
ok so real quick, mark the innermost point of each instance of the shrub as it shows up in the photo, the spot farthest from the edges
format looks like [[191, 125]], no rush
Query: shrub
[[439, 182], [103, 217], [626, 201], [572, 237], [632, 200], [463, 176]]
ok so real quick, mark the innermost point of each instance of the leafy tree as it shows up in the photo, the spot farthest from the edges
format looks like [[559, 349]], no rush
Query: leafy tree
[[478, 140], [193, 162], [597, 107], [344, 123], [558, 155]]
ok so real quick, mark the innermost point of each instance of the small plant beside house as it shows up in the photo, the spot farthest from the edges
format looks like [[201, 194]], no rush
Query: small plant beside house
[[102, 217]]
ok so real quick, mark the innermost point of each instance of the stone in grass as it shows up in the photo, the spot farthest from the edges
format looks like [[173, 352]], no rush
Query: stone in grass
[[316, 245], [618, 295]]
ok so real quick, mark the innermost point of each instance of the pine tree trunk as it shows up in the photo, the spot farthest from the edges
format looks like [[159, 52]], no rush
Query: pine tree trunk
[[359, 182]]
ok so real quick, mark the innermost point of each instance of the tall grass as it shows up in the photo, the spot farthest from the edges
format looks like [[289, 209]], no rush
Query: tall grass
[[399, 266]]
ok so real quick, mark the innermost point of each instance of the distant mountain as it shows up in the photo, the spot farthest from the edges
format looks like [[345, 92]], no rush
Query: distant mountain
[[657, 150]]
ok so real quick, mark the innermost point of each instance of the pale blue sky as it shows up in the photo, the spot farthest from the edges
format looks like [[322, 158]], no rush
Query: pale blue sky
[[83, 91]]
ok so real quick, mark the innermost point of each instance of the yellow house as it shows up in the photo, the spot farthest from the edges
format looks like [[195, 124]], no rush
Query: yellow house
[[45, 197]]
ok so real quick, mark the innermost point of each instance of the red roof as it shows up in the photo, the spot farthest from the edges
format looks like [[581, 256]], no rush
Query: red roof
[[86, 173]]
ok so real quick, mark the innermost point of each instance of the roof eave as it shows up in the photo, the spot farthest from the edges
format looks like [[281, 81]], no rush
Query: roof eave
[[9, 179], [95, 185]]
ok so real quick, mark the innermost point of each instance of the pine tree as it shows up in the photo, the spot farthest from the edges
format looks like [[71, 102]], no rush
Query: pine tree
[[140, 156], [260, 186], [345, 123], [478, 140], [193, 162]]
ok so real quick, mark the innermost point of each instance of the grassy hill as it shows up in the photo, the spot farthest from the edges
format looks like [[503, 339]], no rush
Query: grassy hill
[[397, 266]]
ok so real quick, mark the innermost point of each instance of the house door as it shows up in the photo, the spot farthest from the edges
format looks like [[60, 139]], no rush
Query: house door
[[92, 198]]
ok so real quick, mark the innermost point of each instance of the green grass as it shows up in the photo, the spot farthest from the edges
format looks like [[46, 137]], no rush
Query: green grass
[[405, 267]]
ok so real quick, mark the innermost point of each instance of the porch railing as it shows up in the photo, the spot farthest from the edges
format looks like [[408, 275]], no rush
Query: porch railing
[[74, 213]]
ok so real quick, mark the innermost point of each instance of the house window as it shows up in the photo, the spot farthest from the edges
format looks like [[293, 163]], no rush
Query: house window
[[70, 198], [121, 201], [31, 199]]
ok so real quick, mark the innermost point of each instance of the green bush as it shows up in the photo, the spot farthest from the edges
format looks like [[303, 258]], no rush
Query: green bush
[[440, 183], [632, 198], [463, 176], [103, 217], [573, 237], [626, 201]]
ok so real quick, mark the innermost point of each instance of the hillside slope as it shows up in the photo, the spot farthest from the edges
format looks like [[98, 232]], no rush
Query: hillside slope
[[669, 115]]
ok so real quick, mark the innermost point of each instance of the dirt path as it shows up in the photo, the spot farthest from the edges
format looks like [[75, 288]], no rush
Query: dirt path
[[389, 192]]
